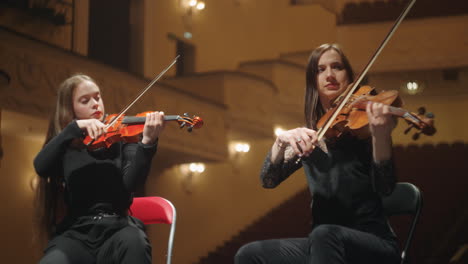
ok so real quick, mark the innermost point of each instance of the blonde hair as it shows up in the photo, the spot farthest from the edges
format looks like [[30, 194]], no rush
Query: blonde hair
[[49, 192]]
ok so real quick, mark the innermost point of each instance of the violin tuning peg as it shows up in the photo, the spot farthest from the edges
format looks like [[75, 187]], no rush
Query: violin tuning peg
[[430, 115], [186, 114], [189, 129], [421, 110], [408, 129], [182, 125], [416, 136]]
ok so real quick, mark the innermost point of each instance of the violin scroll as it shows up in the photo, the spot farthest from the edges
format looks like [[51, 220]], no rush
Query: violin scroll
[[191, 123], [422, 121]]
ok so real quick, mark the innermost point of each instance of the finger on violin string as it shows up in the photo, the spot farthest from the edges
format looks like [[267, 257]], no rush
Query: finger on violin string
[[161, 116], [386, 110], [151, 118], [376, 108], [372, 110], [381, 108], [370, 107]]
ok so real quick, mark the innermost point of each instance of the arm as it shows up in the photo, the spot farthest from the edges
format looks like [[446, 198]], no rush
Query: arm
[[137, 157], [272, 174], [280, 162], [136, 164], [48, 160], [381, 124]]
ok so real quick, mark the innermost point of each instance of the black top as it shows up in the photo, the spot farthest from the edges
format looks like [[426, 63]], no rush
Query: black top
[[346, 185], [95, 182]]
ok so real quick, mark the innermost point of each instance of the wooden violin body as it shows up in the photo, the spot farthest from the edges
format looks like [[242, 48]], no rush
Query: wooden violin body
[[353, 117], [128, 129]]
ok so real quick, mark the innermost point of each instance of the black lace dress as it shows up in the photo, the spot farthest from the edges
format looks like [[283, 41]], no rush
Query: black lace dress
[[345, 183]]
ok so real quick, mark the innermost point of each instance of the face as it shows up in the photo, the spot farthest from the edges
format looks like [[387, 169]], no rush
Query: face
[[87, 101], [332, 78]]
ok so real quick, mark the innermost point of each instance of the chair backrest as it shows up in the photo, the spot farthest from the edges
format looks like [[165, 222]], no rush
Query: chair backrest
[[405, 199], [156, 210]]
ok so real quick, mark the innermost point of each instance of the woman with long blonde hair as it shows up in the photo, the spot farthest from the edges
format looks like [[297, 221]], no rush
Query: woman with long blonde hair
[[84, 195]]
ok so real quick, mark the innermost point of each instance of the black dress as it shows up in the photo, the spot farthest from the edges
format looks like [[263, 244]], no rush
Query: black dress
[[98, 190], [346, 186]]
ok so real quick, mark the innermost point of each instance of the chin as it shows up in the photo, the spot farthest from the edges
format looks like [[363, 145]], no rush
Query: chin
[[333, 94]]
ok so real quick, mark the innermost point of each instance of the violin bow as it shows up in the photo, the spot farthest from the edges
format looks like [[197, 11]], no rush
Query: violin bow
[[142, 93], [361, 75]]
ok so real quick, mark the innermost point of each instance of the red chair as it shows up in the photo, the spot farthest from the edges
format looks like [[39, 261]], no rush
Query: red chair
[[156, 210]]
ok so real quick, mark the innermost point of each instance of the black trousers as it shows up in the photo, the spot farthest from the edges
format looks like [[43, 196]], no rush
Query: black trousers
[[326, 244], [128, 245]]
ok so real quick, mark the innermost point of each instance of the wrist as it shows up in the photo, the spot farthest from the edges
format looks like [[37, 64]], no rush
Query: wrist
[[147, 141], [382, 137]]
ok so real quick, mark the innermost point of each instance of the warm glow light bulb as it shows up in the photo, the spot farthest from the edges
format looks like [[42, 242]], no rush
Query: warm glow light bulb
[[192, 2], [238, 147], [200, 168], [412, 86], [246, 148], [201, 5], [187, 35], [193, 167], [197, 167], [242, 147]]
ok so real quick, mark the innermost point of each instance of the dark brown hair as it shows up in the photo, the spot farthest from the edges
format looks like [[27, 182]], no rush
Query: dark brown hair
[[312, 108]]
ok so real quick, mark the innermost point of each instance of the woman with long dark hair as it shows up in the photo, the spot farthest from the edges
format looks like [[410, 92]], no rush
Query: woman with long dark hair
[[347, 178], [83, 196]]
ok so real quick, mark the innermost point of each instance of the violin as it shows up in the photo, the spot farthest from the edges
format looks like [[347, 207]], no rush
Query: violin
[[128, 129], [349, 112], [352, 115]]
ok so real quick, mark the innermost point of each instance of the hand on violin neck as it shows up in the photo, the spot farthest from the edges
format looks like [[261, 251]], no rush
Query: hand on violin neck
[[154, 125], [93, 127], [381, 121], [381, 124]]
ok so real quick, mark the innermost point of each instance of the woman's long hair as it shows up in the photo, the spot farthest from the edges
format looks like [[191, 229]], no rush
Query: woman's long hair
[[312, 107], [50, 205]]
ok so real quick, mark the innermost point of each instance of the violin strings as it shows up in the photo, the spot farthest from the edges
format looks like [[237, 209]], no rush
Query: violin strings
[[327, 125], [142, 93]]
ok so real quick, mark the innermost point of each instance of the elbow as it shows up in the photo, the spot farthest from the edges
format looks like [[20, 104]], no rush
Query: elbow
[[385, 188], [40, 170], [268, 184], [383, 178]]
